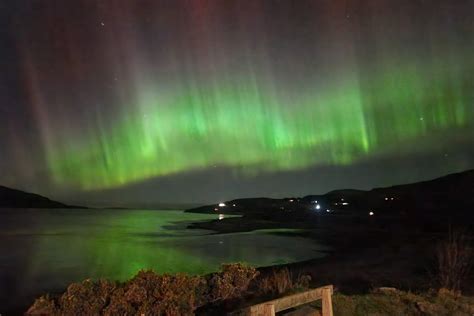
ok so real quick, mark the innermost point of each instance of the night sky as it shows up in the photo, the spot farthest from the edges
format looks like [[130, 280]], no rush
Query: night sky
[[139, 102]]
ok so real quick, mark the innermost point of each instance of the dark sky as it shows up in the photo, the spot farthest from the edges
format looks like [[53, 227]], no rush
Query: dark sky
[[141, 102]]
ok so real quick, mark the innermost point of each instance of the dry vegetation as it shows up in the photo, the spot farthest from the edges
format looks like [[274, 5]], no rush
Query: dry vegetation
[[280, 281], [148, 293], [454, 260]]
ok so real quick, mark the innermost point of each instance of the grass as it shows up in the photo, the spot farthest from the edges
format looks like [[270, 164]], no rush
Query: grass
[[391, 301]]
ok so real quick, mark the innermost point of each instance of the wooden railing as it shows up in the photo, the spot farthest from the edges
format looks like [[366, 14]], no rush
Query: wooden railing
[[269, 308]]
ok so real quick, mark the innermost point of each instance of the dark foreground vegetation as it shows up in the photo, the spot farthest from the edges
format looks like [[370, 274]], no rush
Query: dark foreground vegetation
[[149, 293], [235, 287]]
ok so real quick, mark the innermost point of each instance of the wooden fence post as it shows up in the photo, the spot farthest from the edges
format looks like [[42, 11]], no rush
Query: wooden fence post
[[264, 310], [327, 302], [269, 310]]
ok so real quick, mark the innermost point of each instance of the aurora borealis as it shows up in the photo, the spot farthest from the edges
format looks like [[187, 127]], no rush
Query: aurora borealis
[[104, 95]]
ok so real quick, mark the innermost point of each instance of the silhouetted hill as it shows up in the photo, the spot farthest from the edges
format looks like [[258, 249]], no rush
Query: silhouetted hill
[[450, 195], [12, 198]]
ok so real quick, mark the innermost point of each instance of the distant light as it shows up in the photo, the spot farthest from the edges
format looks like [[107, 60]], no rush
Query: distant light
[[328, 211], [391, 199], [371, 213], [233, 204], [386, 199], [318, 206], [216, 209], [221, 216], [291, 200], [342, 199], [315, 202], [221, 204], [345, 203]]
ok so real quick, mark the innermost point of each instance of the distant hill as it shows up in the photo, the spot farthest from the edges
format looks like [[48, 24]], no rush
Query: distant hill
[[11, 198], [450, 195]]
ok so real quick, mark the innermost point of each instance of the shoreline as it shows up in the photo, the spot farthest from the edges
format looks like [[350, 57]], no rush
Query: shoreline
[[359, 257]]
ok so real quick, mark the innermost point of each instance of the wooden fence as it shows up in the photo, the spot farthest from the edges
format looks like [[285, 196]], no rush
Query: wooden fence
[[269, 308]]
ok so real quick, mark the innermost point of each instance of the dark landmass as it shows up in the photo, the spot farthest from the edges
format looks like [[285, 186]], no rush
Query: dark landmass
[[11, 198], [144, 205], [382, 237], [450, 197]]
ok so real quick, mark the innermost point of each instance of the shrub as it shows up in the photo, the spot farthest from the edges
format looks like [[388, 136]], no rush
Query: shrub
[[454, 260], [280, 281], [148, 293], [43, 306], [85, 298], [232, 282]]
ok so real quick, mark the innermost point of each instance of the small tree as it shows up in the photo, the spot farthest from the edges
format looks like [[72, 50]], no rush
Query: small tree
[[454, 258]]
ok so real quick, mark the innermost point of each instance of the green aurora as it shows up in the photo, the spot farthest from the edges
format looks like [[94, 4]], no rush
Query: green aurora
[[113, 95], [245, 123]]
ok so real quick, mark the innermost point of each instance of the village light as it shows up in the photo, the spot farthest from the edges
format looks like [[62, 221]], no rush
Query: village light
[[221, 204], [371, 213]]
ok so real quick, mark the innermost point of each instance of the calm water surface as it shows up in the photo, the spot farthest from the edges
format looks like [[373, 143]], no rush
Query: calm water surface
[[45, 250]]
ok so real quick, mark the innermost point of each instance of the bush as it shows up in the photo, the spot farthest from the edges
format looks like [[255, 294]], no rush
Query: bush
[[43, 306], [454, 260], [148, 293], [232, 282], [85, 298], [280, 281]]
